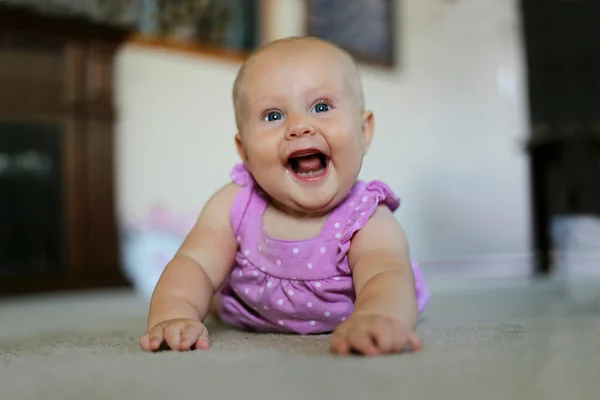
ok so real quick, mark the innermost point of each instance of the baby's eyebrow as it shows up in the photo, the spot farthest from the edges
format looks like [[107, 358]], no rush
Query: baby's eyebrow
[[266, 101]]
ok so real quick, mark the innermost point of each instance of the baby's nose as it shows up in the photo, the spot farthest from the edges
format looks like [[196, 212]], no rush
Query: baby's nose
[[299, 131]]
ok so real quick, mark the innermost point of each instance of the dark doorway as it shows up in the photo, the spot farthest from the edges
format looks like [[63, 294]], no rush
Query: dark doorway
[[562, 40]]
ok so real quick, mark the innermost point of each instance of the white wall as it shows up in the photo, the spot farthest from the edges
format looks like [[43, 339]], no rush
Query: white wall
[[451, 119]]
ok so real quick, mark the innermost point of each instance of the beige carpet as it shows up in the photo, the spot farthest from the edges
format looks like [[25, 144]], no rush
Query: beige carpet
[[506, 341]]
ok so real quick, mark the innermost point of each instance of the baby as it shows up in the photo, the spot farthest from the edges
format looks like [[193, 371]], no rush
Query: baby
[[296, 243]]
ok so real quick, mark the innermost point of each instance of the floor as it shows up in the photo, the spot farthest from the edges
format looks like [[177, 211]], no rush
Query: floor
[[506, 340]]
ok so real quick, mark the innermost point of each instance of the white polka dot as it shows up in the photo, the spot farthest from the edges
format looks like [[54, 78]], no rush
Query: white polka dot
[[313, 323], [318, 284], [266, 308], [336, 278], [343, 319], [327, 313], [338, 235], [241, 274], [364, 199], [293, 278], [278, 262], [295, 251], [263, 268], [259, 248], [352, 204], [337, 225], [323, 250], [269, 284], [280, 322], [239, 239], [362, 214], [357, 208], [291, 292], [280, 302], [246, 290], [309, 304], [262, 289], [244, 262], [246, 252], [255, 273], [309, 265]]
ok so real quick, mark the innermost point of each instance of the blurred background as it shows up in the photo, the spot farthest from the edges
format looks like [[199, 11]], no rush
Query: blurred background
[[116, 126]]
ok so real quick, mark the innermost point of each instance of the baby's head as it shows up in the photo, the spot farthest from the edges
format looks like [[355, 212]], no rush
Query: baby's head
[[302, 127]]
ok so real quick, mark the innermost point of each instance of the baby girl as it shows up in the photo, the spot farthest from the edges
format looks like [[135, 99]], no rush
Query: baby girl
[[296, 243]]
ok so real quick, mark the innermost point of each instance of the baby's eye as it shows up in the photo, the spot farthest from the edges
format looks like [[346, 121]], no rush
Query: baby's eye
[[273, 116], [321, 107]]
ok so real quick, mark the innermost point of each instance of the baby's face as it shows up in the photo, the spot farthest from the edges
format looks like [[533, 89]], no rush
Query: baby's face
[[303, 133]]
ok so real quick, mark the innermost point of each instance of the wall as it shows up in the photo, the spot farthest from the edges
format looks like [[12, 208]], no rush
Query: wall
[[451, 122]]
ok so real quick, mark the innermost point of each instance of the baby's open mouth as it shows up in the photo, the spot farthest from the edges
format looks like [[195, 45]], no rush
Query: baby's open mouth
[[308, 164]]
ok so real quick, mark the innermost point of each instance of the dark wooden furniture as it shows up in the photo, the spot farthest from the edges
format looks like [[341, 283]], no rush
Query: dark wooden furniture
[[57, 204], [561, 41]]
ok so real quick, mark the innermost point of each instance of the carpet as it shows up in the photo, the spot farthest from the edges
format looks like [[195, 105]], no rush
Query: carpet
[[506, 340]]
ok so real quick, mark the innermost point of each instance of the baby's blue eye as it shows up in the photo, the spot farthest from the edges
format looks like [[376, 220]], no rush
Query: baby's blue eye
[[322, 107], [274, 116]]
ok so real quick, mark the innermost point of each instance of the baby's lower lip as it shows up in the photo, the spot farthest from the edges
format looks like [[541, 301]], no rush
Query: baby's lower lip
[[310, 177]]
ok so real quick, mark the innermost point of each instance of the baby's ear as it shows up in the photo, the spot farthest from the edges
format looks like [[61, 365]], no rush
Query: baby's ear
[[240, 148], [368, 129]]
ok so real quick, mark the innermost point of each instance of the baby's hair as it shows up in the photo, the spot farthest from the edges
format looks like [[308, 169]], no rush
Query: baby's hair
[[355, 80]]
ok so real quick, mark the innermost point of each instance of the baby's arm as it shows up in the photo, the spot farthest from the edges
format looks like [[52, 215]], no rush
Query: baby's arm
[[386, 313], [183, 294]]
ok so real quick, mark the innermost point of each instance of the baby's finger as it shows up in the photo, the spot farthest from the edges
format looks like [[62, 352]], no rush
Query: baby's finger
[[189, 336], [415, 342], [145, 341], [339, 344], [173, 336], [400, 338], [203, 341], [362, 342], [381, 332], [156, 337]]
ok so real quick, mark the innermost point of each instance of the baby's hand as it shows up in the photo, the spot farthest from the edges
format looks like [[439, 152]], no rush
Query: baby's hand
[[176, 334], [373, 335]]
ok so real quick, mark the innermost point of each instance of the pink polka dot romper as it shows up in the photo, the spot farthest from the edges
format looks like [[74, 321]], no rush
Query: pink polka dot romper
[[302, 286]]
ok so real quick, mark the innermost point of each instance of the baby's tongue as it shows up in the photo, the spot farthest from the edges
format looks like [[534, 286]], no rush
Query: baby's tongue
[[308, 164]]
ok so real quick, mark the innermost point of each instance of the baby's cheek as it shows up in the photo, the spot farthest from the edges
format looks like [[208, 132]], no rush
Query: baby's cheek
[[264, 151]]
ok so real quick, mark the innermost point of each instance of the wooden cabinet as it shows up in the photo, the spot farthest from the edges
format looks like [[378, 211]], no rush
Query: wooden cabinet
[[58, 221]]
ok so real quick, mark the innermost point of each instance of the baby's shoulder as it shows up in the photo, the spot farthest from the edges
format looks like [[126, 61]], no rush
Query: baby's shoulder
[[224, 198], [228, 191]]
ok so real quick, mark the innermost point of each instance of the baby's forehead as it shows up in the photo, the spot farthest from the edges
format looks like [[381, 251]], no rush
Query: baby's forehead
[[299, 63], [288, 55]]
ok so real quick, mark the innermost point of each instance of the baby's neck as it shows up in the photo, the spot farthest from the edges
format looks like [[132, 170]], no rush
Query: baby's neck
[[285, 224]]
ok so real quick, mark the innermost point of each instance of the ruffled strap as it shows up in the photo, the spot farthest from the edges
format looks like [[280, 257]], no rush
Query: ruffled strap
[[365, 204], [358, 208], [242, 177]]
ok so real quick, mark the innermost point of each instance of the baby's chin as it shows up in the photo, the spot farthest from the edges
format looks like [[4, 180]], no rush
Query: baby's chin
[[306, 205]]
